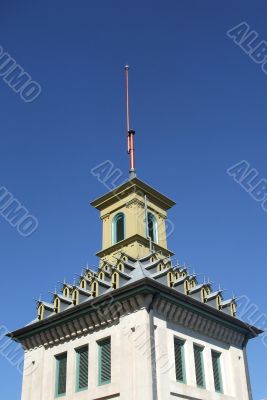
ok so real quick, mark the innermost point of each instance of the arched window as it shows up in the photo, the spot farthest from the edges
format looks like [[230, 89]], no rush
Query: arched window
[[115, 280], [94, 289], [120, 267], [102, 276], [118, 228], [170, 279], [186, 287], [219, 302], [152, 227], [233, 309], [57, 305], [75, 297], [203, 295], [83, 284], [160, 267], [41, 312]]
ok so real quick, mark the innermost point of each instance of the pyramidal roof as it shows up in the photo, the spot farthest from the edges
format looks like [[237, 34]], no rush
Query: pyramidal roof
[[125, 271]]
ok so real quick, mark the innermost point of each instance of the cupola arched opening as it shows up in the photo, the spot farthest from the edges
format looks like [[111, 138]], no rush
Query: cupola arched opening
[[118, 228], [152, 227]]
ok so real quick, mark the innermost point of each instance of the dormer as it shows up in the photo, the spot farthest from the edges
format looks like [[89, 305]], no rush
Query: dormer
[[45, 310], [61, 302], [215, 299], [79, 295]]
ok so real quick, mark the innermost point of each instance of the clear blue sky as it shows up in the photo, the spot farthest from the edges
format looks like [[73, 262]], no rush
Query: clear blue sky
[[198, 105]]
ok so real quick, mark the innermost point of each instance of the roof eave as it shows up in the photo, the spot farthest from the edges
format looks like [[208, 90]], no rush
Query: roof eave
[[145, 285], [101, 202]]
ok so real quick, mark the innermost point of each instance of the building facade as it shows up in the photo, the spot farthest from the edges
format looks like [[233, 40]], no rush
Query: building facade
[[140, 326]]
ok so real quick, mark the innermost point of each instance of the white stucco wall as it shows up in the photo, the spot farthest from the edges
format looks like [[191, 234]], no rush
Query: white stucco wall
[[232, 366], [131, 368], [131, 377]]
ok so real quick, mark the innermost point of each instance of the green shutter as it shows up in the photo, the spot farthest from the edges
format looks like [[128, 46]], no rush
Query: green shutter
[[179, 360], [61, 375], [198, 355], [104, 362], [216, 365], [82, 369]]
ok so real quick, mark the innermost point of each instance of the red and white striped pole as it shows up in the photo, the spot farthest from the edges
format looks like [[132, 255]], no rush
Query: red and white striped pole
[[130, 132]]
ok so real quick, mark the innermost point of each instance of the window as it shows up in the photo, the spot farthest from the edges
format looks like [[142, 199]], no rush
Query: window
[[61, 374], [152, 227], [102, 276], [94, 288], [41, 312], [199, 368], [75, 297], [82, 369], [203, 295], [216, 365], [57, 305], [170, 279], [179, 360], [218, 302], [104, 366], [83, 284], [121, 267], [115, 280], [118, 228], [233, 309], [186, 287]]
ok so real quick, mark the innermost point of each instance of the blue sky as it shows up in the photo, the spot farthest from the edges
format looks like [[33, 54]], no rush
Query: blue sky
[[198, 107]]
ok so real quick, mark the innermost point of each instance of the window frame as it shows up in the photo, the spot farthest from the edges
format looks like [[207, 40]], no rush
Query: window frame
[[181, 342], [114, 228], [100, 344], [58, 358], [201, 349], [155, 227], [78, 352], [218, 356]]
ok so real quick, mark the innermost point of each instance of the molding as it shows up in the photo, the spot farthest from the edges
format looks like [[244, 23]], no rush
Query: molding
[[105, 216], [141, 204], [135, 238], [135, 201], [182, 396], [111, 396], [132, 186]]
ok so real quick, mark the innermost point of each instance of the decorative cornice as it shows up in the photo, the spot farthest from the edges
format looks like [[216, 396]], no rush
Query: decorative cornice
[[105, 216], [132, 186]]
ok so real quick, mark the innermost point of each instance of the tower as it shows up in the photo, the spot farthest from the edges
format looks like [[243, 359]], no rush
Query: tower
[[140, 326], [133, 216]]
